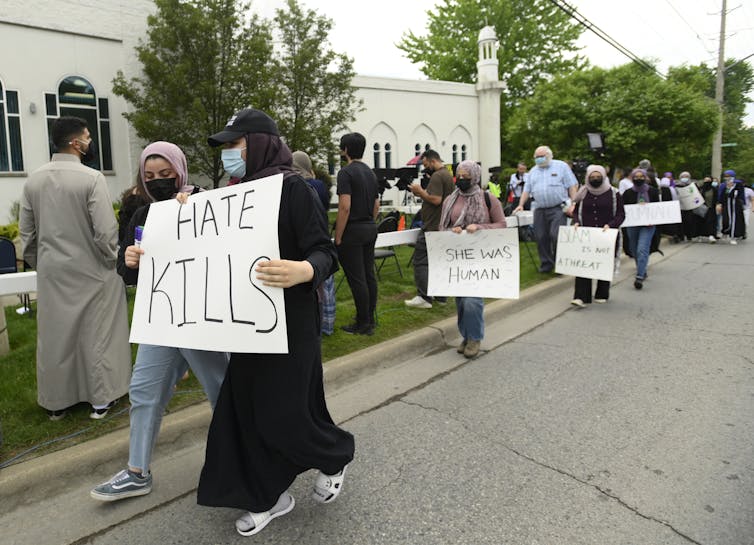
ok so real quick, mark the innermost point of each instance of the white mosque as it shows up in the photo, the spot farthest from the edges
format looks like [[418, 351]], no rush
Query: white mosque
[[62, 62]]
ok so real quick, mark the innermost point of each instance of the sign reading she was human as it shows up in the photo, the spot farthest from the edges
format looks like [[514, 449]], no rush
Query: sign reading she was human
[[652, 213], [197, 286], [588, 252], [480, 264]]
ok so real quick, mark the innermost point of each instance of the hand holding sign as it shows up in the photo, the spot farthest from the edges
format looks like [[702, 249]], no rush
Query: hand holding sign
[[284, 273]]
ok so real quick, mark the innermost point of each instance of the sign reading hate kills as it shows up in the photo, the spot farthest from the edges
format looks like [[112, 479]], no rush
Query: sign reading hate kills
[[480, 264], [588, 252], [652, 213], [197, 286]]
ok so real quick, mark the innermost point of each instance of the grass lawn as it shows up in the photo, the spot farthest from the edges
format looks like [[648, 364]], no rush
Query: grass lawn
[[25, 425]]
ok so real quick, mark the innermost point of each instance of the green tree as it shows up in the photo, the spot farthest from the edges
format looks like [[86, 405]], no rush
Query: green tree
[[201, 61], [640, 114], [537, 41], [739, 82], [314, 94]]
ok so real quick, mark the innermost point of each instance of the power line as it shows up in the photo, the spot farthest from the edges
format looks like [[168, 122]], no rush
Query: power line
[[586, 23], [704, 45]]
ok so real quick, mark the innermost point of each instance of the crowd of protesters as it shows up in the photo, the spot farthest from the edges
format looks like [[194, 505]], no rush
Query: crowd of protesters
[[270, 421]]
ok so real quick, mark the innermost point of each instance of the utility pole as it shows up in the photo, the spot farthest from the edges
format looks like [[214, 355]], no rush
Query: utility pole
[[717, 150]]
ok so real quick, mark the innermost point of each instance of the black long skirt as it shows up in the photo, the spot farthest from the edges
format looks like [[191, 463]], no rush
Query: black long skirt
[[270, 424]]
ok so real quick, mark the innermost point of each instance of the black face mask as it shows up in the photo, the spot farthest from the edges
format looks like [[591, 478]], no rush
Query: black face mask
[[595, 182], [464, 184], [90, 154], [162, 189], [639, 182]]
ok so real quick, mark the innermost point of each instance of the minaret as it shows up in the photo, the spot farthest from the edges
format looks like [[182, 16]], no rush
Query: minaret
[[488, 89]]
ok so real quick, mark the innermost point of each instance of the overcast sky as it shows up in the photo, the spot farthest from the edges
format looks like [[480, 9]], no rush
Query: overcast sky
[[673, 32]]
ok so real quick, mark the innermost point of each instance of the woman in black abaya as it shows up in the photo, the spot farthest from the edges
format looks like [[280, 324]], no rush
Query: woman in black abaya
[[271, 421]]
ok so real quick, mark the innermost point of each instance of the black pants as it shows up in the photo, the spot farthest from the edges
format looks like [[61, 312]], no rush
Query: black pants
[[583, 289], [356, 256]]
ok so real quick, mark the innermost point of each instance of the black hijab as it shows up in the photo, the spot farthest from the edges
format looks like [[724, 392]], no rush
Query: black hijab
[[266, 155]]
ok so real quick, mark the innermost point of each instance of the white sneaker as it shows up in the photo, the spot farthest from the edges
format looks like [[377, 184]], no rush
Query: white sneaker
[[418, 302], [601, 301], [712, 239], [327, 487], [733, 241], [578, 303]]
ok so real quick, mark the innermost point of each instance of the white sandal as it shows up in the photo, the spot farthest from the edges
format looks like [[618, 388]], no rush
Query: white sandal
[[327, 487], [250, 523]]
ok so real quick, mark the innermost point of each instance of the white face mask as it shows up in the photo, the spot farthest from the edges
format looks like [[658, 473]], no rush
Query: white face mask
[[685, 180]]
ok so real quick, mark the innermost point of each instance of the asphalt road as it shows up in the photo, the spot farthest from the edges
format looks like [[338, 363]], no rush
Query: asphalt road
[[625, 423]]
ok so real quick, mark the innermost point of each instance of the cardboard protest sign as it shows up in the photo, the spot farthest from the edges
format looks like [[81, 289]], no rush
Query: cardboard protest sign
[[689, 197], [652, 213], [588, 252], [480, 264], [197, 286]]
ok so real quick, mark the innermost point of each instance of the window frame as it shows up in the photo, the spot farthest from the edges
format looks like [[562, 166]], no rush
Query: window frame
[[17, 156]]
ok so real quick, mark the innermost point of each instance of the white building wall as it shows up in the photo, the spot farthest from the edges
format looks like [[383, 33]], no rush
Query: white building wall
[[46, 41]]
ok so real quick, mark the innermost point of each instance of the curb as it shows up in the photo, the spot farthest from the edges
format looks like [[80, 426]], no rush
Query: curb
[[17, 481]]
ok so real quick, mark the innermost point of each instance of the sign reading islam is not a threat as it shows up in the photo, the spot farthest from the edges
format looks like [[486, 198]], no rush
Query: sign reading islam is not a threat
[[197, 286], [480, 264], [588, 252]]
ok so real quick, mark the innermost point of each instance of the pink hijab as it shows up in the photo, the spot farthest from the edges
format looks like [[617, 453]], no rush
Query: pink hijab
[[587, 187], [173, 155]]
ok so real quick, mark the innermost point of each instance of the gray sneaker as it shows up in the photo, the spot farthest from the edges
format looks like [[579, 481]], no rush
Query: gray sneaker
[[124, 484]]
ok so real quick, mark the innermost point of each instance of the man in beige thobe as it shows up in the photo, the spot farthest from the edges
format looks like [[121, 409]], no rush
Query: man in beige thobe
[[70, 237]]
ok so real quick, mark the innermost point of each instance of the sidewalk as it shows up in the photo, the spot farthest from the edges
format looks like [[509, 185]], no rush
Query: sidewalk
[[38, 495]]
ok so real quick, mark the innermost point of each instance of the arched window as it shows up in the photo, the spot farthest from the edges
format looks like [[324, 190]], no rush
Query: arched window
[[376, 156], [76, 97], [388, 153], [11, 153], [417, 149], [426, 147], [455, 154], [463, 152]]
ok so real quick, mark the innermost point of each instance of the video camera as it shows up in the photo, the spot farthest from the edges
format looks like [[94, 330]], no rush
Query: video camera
[[383, 175], [406, 176]]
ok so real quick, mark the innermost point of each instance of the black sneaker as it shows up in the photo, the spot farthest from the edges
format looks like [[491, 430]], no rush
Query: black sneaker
[[57, 415], [638, 284], [99, 414], [356, 329]]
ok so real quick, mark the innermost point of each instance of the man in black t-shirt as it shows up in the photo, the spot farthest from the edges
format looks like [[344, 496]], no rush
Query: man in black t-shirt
[[356, 231]]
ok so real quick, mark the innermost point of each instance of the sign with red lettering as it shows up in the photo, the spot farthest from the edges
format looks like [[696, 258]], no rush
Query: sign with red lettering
[[197, 286]]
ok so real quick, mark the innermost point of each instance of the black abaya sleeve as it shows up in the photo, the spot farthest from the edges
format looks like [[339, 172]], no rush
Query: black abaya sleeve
[[310, 229]]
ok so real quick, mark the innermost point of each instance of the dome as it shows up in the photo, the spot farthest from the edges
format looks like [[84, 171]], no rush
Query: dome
[[487, 33]]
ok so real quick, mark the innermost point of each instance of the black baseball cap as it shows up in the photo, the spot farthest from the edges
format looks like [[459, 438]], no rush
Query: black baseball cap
[[244, 122]]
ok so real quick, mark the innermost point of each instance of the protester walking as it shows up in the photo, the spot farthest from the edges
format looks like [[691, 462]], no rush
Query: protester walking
[[731, 203], [640, 237], [70, 236], [163, 168], [706, 218], [302, 164], [552, 184], [439, 187], [470, 209], [271, 421], [356, 231], [597, 204]]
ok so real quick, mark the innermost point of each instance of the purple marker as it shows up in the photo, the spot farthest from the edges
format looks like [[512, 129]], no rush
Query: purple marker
[[137, 234]]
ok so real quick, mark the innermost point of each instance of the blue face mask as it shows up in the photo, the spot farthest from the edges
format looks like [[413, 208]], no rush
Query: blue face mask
[[233, 163], [540, 160]]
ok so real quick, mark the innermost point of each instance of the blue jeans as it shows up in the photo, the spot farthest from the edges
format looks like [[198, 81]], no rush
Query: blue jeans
[[639, 242], [156, 371], [470, 317]]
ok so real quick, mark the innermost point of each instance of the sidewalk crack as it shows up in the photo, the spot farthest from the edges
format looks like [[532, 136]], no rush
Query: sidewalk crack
[[413, 403], [606, 492]]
